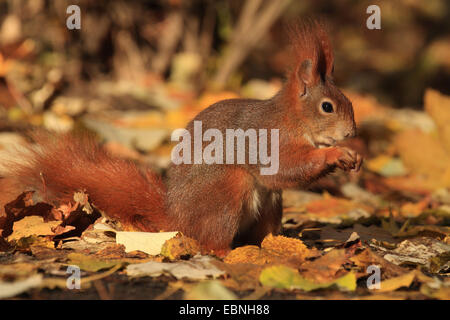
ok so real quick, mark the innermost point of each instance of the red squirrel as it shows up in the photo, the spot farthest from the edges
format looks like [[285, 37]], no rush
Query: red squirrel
[[220, 205]]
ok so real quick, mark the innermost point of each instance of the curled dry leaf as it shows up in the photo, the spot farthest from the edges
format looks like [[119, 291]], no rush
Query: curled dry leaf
[[22, 207], [328, 267], [180, 246], [32, 226], [25, 218], [253, 255], [368, 257], [274, 250], [288, 246]]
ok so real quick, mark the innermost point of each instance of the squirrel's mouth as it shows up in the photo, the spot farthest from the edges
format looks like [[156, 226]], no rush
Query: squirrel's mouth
[[325, 143], [321, 142]]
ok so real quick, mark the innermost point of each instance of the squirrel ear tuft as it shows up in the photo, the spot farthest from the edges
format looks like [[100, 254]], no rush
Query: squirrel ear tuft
[[312, 51], [306, 72]]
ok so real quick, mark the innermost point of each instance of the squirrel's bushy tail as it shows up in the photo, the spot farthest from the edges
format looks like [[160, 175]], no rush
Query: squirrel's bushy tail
[[59, 165]]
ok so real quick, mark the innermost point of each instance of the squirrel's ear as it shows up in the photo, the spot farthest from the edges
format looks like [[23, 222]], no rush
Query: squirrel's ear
[[306, 72]]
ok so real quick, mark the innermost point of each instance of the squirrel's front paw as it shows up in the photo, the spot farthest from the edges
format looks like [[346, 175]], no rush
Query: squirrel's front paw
[[345, 158]]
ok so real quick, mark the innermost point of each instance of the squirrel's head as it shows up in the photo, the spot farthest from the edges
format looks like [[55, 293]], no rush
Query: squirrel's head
[[325, 113]]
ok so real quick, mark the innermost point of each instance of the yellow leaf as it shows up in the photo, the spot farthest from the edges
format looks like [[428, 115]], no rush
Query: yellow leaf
[[210, 290], [437, 106], [287, 246], [397, 282], [32, 225], [424, 155]]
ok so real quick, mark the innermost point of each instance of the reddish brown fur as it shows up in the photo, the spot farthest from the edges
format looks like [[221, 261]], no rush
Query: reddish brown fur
[[309, 41], [65, 164], [219, 205]]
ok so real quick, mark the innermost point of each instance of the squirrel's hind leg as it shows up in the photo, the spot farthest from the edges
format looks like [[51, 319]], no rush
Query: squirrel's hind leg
[[212, 210], [260, 220]]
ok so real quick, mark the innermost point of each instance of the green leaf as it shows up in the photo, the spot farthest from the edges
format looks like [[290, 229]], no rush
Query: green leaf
[[91, 263], [283, 277]]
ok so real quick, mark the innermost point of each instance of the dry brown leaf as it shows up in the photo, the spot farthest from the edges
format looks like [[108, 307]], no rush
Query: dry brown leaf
[[274, 250], [330, 207], [241, 276], [32, 225], [368, 257], [22, 207], [410, 209], [326, 268], [252, 255], [393, 284], [288, 246]]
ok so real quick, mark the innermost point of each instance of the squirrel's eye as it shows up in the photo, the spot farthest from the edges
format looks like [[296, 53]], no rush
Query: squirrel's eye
[[327, 107]]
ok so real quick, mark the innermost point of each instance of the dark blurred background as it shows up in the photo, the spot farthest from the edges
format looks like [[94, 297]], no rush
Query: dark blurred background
[[212, 45]]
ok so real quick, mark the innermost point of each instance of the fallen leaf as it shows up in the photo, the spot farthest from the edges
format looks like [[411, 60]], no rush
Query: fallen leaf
[[425, 155], [274, 249], [240, 276], [335, 210], [416, 252], [209, 290], [442, 292], [367, 258], [386, 166], [32, 225], [91, 262], [437, 105], [22, 207], [410, 209], [17, 270], [197, 268], [392, 284], [12, 289], [326, 268], [294, 248], [283, 277], [148, 242], [180, 246]]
